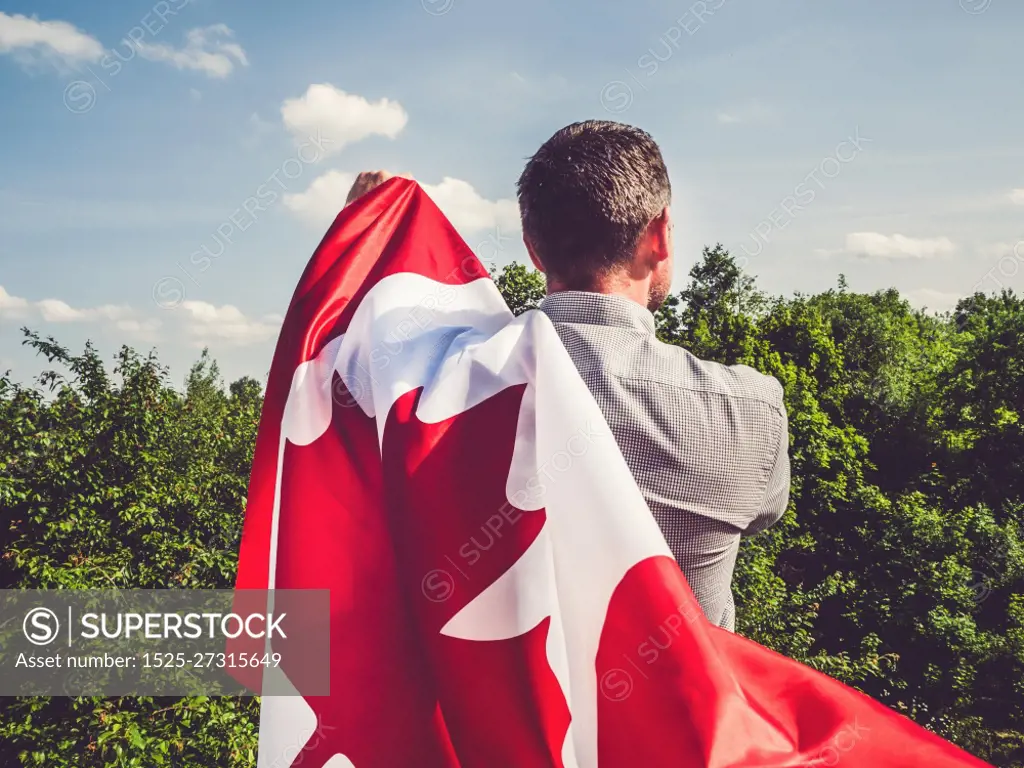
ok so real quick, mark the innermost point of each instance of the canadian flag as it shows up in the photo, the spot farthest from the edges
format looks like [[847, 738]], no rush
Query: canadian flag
[[500, 595]]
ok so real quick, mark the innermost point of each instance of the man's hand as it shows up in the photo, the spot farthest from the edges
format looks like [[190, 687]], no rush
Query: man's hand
[[368, 180]]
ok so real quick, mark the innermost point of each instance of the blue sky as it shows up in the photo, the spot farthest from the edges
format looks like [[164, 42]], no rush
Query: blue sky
[[880, 140]]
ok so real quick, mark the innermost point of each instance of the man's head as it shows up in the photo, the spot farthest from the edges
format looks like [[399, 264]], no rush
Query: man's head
[[594, 202]]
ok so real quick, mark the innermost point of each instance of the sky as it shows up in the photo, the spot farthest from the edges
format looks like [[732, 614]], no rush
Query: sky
[[167, 168]]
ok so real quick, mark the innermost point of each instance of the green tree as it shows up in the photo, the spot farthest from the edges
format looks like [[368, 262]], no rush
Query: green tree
[[118, 480], [521, 287]]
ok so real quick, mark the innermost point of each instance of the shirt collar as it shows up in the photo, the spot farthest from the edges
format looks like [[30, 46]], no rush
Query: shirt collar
[[597, 309]]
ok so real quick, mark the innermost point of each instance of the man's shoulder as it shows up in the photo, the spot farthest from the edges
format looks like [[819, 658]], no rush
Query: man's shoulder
[[689, 372]]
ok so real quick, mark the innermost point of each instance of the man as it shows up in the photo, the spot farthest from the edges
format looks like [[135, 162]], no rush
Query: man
[[706, 443]]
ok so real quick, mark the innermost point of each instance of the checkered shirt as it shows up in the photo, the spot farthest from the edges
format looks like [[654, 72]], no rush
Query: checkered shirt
[[707, 443]]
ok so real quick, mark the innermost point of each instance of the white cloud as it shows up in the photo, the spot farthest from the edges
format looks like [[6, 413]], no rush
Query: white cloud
[[320, 203], [465, 208], [56, 311], [12, 306], [199, 321], [935, 301], [57, 40], [875, 245], [1017, 196], [468, 211], [724, 117], [210, 50], [342, 118], [206, 322]]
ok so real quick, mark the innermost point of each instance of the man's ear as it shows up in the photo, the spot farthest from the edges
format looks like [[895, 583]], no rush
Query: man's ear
[[659, 235], [533, 255]]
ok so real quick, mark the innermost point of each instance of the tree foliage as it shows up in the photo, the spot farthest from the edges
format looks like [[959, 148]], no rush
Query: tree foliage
[[898, 567], [120, 480]]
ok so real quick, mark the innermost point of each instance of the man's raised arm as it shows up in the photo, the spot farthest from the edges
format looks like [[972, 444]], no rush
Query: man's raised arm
[[369, 180]]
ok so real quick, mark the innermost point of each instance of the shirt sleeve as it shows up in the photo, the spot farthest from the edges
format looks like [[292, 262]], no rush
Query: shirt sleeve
[[776, 497]]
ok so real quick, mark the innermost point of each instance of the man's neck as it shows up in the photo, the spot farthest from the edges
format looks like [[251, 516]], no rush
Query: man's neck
[[634, 290]]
